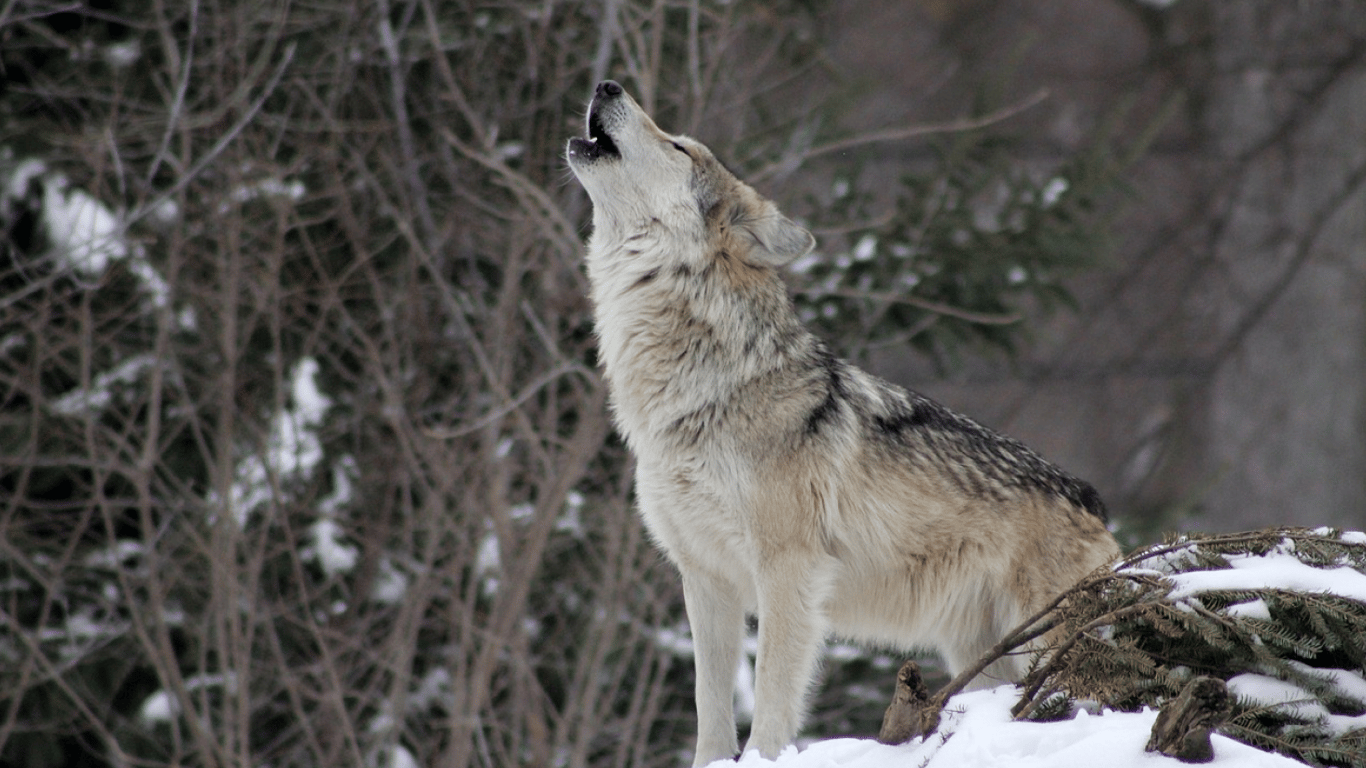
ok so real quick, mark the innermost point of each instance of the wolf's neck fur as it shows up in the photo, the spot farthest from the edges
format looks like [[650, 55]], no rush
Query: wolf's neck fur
[[681, 327]]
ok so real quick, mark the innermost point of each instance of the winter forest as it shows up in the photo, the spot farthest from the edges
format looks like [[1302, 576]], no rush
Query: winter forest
[[305, 458]]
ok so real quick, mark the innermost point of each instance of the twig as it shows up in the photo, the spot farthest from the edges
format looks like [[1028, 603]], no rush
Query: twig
[[1229, 538], [398, 97], [454, 92], [533, 197], [1028, 702], [899, 134], [915, 301], [223, 141], [183, 80], [1030, 629], [508, 406], [608, 32], [1026, 631]]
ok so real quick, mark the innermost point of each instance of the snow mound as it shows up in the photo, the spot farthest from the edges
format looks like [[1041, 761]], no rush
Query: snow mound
[[978, 732]]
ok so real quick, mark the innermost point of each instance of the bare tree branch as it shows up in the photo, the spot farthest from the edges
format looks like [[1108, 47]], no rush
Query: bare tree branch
[[786, 165]]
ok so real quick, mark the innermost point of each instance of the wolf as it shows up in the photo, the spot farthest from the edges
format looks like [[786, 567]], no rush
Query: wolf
[[782, 481]]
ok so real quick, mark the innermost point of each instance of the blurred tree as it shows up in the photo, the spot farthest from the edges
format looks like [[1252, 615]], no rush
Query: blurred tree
[[304, 459]]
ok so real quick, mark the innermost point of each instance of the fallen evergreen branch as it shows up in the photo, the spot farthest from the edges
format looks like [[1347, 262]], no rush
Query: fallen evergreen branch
[[1277, 615]]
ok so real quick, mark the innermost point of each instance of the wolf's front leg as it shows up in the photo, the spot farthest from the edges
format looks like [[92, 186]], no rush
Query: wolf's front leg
[[792, 591], [717, 620]]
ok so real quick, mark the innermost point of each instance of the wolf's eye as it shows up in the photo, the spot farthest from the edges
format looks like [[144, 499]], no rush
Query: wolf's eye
[[681, 148]]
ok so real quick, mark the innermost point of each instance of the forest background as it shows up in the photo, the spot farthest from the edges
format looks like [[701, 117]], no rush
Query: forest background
[[304, 455]]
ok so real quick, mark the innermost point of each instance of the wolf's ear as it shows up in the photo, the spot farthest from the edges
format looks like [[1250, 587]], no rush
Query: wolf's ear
[[777, 239]]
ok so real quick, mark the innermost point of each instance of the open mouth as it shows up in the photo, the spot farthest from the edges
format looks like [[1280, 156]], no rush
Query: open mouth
[[598, 135], [598, 145]]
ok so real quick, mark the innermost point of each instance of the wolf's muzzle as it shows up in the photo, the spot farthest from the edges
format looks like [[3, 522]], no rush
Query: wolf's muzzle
[[599, 143]]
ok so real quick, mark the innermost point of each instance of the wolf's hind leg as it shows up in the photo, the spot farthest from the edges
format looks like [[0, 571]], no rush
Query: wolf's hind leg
[[977, 641], [717, 620]]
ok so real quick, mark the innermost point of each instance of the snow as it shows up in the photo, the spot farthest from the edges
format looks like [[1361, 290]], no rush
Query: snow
[[83, 231], [151, 280], [676, 639], [400, 757], [487, 558], [1263, 690], [293, 449], [1340, 724], [570, 520], [342, 473], [1252, 609], [1286, 696], [327, 539], [88, 401], [390, 584], [162, 705], [1053, 191], [1347, 683], [158, 708], [865, 249], [24, 172], [328, 546], [978, 732], [488, 562], [435, 689], [116, 555], [166, 212], [85, 234], [272, 188], [744, 689], [1247, 572], [124, 54], [804, 264]]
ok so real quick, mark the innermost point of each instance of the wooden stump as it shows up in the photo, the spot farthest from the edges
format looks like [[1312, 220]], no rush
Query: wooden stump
[[1184, 724], [911, 712]]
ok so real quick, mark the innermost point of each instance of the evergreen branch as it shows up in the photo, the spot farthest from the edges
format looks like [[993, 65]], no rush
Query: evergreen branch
[[1153, 645], [1058, 657], [1022, 634], [1033, 628], [1268, 537]]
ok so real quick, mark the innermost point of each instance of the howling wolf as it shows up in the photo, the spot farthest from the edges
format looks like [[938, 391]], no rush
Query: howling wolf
[[783, 481]]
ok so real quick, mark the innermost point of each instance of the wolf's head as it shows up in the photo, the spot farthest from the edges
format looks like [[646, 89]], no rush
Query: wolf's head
[[637, 174]]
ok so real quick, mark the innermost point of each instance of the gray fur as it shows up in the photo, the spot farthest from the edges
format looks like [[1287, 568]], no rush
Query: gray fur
[[780, 480]]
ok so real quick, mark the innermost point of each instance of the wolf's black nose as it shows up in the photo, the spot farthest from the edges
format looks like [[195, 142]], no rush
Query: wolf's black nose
[[608, 88]]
